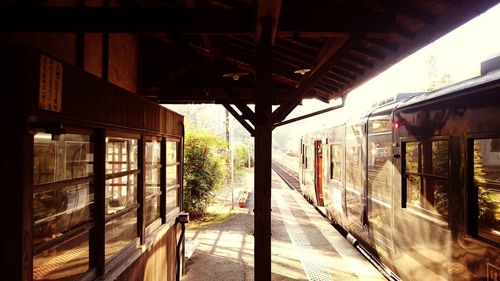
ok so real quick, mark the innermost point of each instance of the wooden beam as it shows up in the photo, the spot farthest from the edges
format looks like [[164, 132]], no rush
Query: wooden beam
[[324, 18], [240, 119], [247, 67], [449, 3], [404, 33], [413, 13], [267, 9], [208, 40], [126, 20], [281, 112], [329, 16], [247, 113], [213, 94], [358, 61], [310, 114], [383, 43], [369, 52]]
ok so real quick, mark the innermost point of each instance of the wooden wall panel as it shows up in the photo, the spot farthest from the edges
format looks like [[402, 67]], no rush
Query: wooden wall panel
[[123, 63], [157, 263], [59, 45], [90, 99], [93, 53]]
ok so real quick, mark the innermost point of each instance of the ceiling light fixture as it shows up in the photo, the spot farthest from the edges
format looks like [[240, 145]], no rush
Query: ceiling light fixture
[[302, 71]]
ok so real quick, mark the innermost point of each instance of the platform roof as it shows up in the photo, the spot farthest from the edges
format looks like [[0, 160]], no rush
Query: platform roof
[[203, 51]]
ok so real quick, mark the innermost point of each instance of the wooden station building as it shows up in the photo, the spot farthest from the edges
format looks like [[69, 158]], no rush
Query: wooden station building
[[92, 165]]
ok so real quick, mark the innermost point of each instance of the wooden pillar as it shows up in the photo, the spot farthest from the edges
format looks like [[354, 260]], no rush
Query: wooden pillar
[[16, 166], [263, 144]]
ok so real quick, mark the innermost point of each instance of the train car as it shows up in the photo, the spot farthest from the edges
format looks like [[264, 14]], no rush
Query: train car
[[416, 181]]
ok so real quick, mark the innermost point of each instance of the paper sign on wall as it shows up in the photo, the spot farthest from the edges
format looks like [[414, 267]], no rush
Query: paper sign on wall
[[50, 94]]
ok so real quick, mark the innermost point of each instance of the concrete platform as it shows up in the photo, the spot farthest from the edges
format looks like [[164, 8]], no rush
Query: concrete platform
[[304, 245]]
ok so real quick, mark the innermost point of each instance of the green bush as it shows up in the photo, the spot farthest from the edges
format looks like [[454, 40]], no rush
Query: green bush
[[204, 169], [241, 156]]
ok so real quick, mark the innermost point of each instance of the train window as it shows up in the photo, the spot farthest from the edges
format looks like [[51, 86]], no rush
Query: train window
[[173, 172], [353, 160], [63, 196], [486, 171], [426, 174], [152, 182], [121, 194], [379, 125]]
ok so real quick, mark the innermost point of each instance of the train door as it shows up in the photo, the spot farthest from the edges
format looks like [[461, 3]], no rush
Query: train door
[[318, 172], [355, 174], [336, 175], [379, 183]]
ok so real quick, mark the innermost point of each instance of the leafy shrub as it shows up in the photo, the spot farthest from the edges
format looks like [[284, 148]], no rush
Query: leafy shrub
[[241, 156], [204, 169]]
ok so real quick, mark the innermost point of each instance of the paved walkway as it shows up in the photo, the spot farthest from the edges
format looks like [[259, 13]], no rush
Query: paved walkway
[[304, 245]]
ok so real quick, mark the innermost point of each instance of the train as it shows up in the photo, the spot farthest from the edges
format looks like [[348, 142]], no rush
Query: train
[[416, 181]]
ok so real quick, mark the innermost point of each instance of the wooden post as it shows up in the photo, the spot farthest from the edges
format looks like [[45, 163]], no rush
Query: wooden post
[[263, 130]]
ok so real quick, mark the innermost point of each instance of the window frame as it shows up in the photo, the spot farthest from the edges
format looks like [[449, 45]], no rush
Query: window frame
[[178, 163], [137, 207], [155, 224], [422, 211], [471, 192], [99, 265], [86, 227]]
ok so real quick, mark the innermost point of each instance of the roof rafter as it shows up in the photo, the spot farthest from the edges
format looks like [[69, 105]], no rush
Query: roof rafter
[[240, 119], [281, 112]]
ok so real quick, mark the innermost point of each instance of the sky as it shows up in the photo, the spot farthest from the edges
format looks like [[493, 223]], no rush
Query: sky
[[459, 54]]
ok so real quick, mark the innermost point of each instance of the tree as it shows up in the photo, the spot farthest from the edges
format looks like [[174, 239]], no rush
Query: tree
[[241, 154], [435, 79], [204, 169]]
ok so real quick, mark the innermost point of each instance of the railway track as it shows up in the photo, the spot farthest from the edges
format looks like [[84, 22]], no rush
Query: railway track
[[290, 177]]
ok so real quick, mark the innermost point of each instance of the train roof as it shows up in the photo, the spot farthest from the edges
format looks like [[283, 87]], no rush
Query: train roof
[[490, 78]]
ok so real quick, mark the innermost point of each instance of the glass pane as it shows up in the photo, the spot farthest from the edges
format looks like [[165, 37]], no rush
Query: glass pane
[[172, 175], [61, 157], [439, 188], [172, 199], [337, 161], [59, 210], [152, 208], [353, 160], [171, 152], [153, 153], [414, 191], [440, 158], [79, 159], [121, 193], [487, 181], [121, 155], [64, 262], [152, 190], [152, 181], [379, 126], [411, 157], [119, 233]]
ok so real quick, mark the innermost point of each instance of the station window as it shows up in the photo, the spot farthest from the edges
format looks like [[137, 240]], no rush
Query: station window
[[426, 176], [152, 189], [486, 175], [121, 194], [63, 198], [173, 174]]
